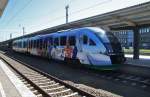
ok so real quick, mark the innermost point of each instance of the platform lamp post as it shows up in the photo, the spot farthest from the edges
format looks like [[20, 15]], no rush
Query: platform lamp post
[[67, 7], [10, 35], [23, 29]]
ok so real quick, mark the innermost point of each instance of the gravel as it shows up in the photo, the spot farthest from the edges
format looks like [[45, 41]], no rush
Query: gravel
[[93, 91]]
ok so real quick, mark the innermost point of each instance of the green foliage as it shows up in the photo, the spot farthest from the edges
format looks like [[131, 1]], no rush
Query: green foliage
[[142, 51]]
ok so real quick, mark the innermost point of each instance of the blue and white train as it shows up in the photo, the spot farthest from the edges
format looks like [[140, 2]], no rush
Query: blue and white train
[[89, 46]]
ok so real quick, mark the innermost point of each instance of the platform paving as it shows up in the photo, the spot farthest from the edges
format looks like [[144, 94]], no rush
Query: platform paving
[[143, 61], [10, 85]]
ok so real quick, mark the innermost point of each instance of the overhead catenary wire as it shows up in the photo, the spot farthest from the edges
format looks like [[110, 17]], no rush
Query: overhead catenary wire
[[90, 7], [52, 11], [75, 12], [4, 15], [59, 17], [18, 12]]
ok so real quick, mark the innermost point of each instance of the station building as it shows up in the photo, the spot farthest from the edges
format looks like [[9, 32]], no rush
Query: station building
[[126, 38]]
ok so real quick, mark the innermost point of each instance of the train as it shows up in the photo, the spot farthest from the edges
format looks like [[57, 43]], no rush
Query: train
[[91, 47]]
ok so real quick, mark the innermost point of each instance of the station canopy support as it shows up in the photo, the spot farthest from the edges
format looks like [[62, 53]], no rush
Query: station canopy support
[[136, 42]]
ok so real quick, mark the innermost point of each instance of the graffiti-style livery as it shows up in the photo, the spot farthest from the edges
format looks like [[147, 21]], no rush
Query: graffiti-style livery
[[90, 46]]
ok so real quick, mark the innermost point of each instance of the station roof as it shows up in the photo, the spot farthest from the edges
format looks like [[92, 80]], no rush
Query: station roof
[[137, 15], [3, 4]]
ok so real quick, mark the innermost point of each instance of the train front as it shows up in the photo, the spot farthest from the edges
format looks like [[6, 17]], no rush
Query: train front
[[112, 45]]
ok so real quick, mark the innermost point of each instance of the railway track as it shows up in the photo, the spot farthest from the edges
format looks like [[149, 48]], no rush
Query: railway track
[[43, 84], [127, 79], [119, 77]]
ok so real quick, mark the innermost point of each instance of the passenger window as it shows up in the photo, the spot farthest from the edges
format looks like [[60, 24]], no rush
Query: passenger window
[[91, 42], [34, 43], [85, 39], [50, 41], [56, 41], [24, 44], [63, 40], [40, 43], [31, 43], [72, 40], [45, 43]]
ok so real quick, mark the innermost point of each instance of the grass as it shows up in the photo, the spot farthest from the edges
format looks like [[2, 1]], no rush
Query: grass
[[142, 51]]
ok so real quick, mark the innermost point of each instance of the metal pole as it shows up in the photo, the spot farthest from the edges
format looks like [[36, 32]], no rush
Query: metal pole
[[67, 13], [23, 30], [10, 35]]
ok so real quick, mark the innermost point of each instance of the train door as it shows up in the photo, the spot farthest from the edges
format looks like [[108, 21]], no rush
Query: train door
[[46, 47], [45, 42], [38, 47], [63, 40], [84, 52], [94, 52], [34, 47], [55, 51], [43, 47], [27, 45], [50, 47]]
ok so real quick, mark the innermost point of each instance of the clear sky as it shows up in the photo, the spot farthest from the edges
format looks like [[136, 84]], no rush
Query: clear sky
[[35, 15]]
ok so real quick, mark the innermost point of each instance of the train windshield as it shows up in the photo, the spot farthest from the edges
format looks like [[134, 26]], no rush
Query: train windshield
[[110, 41], [107, 37]]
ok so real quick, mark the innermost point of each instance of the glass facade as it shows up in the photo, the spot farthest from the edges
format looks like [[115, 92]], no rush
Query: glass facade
[[126, 38]]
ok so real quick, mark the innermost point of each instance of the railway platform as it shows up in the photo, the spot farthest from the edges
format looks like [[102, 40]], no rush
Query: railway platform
[[10, 85], [143, 61]]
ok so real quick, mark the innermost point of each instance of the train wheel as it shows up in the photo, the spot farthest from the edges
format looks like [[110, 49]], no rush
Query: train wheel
[[73, 62]]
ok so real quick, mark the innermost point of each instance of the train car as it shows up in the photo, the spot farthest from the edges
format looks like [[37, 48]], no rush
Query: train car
[[89, 46], [20, 45]]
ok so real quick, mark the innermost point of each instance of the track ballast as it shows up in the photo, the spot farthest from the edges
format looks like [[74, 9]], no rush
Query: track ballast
[[43, 84]]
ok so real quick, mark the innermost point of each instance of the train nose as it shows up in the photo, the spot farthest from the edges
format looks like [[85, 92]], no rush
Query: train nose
[[117, 59]]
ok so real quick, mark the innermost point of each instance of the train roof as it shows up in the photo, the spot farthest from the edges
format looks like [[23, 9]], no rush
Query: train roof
[[71, 31]]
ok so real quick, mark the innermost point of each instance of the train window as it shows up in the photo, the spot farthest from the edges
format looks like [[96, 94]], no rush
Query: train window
[[37, 45], [19, 44], [63, 40], [34, 43], [91, 42], [46, 42], [85, 39], [24, 43], [40, 42], [50, 41], [56, 41], [43, 44], [31, 44], [72, 40]]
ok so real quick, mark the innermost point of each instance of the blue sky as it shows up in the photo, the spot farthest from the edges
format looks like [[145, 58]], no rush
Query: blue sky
[[35, 15]]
